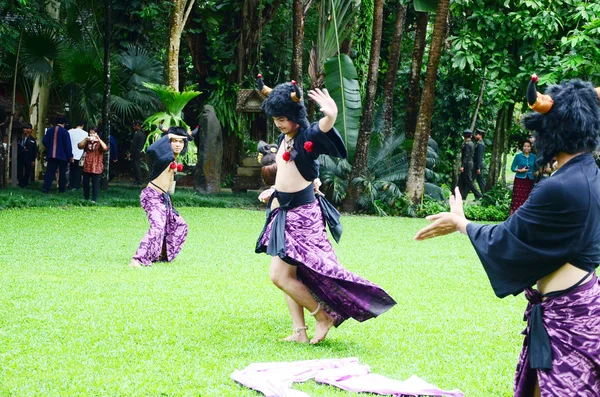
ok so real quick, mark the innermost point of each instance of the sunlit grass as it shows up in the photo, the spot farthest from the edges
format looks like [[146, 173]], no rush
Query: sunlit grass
[[76, 321]]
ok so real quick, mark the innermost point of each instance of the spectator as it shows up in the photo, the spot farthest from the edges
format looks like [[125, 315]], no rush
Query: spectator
[[479, 160], [137, 144], [524, 166], [93, 164], [26, 155], [59, 153], [77, 134], [465, 180]]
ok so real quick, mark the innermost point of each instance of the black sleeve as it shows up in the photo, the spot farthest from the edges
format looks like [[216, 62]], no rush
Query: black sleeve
[[537, 239]]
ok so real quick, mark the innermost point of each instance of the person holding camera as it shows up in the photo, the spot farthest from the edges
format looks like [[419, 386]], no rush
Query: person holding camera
[[93, 164], [524, 166]]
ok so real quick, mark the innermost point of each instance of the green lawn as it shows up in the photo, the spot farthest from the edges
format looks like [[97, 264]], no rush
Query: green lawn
[[76, 321]]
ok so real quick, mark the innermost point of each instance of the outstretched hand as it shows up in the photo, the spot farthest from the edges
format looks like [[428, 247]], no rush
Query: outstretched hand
[[445, 222], [325, 102]]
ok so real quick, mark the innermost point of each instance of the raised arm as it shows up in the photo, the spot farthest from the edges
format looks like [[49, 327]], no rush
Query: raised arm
[[327, 106]]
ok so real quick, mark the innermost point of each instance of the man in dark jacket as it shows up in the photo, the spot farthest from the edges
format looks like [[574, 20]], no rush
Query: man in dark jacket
[[26, 155], [479, 160], [465, 180], [58, 154], [137, 144]]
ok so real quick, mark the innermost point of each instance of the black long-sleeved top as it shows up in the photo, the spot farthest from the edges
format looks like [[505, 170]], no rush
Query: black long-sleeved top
[[467, 151], [559, 223], [27, 149], [330, 143], [479, 155]]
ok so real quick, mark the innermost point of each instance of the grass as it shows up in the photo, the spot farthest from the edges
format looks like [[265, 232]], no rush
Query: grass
[[76, 321]]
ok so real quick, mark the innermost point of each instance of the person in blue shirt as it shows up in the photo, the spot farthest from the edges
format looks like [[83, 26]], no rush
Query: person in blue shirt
[[59, 153], [526, 172]]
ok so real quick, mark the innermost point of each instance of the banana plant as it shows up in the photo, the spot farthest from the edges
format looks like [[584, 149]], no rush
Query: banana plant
[[341, 81]]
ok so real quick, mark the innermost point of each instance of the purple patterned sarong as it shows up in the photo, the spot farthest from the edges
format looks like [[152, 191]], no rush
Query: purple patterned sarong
[[342, 294], [168, 230], [572, 322]]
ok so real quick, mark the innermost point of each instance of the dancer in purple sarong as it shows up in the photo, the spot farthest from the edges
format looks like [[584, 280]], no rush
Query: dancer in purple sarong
[[168, 230], [551, 241], [304, 265]]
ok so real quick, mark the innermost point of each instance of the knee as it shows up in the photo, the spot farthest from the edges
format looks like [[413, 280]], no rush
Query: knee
[[278, 278]]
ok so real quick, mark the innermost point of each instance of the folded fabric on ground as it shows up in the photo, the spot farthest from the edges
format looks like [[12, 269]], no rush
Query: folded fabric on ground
[[276, 379]]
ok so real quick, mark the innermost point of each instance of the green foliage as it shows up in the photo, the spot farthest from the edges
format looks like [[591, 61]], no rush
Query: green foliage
[[383, 180], [426, 5], [224, 99], [361, 42], [342, 84], [337, 21]]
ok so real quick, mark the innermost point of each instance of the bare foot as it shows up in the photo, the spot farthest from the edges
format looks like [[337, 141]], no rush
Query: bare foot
[[298, 336], [322, 328], [135, 263]]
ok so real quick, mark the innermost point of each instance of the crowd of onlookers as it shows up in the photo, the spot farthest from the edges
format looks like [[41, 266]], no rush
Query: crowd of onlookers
[[74, 157]]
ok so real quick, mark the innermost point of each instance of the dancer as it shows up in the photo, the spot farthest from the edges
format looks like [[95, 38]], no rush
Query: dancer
[[304, 265], [168, 230], [551, 241]]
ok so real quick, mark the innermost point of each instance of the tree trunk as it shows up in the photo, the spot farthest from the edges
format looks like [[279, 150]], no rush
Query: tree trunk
[[106, 99], [350, 203], [499, 146], [414, 86], [415, 185], [392, 73], [179, 15], [479, 99], [40, 94], [9, 146], [298, 32]]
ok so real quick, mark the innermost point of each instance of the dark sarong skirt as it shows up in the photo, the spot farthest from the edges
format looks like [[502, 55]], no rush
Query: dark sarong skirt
[[342, 293], [521, 190], [572, 322]]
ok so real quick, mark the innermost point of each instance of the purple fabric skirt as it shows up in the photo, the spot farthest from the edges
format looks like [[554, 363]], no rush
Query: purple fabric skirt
[[573, 325], [167, 230], [342, 293]]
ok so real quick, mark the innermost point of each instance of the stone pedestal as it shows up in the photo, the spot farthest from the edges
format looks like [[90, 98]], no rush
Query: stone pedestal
[[248, 175]]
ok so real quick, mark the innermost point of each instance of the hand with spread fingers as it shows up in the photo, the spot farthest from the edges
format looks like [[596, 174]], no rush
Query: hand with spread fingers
[[446, 222], [325, 102]]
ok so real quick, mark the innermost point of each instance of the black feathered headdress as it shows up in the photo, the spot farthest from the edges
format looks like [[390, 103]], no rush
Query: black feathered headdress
[[284, 100], [566, 118]]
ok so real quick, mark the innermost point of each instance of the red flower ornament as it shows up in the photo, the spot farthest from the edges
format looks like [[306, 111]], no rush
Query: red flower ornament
[[308, 146], [286, 156], [179, 167], [173, 165]]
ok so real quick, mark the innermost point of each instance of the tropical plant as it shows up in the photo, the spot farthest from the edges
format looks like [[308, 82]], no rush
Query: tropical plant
[[174, 102], [335, 25], [384, 178], [82, 75], [341, 81]]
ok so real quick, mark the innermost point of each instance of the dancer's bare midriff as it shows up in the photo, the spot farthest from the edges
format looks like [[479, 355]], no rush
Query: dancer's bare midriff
[[164, 181], [562, 278]]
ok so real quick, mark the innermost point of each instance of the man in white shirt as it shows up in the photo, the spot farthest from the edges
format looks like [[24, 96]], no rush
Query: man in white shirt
[[77, 134]]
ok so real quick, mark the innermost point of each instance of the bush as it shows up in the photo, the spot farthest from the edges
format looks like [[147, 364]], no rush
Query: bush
[[485, 211]]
